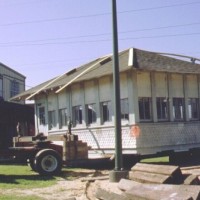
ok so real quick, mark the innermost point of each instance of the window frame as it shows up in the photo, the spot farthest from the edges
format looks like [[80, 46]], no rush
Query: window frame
[[91, 113], [52, 119], [14, 88], [63, 117], [162, 103], [147, 117], [106, 112], [124, 109], [77, 112], [177, 110], [193, 118]]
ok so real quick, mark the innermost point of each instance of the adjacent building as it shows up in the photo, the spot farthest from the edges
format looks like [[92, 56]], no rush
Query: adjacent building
[[160, 98], [11, 82]]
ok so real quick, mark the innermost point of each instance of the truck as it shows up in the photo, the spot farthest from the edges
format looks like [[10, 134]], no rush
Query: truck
[[42, 155]]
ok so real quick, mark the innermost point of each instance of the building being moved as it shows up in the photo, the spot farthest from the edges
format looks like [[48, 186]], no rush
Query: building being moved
[[160, 98]]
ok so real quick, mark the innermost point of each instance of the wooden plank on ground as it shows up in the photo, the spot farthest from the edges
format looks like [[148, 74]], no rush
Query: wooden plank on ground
[[106, 195], [192, 180], [157, 169], [145, 177], [159, 191], [173, 172], [92, 179]]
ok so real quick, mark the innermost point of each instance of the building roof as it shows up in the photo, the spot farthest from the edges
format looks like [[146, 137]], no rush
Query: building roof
[[135, 59], [10, 69]]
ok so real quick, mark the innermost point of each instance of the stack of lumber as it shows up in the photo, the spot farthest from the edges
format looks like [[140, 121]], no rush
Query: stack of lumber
[[74, 149], [150, 173], [155, 182], [139, 191]]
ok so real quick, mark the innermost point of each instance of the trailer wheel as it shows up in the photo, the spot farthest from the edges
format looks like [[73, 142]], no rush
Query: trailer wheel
[[48, 162]]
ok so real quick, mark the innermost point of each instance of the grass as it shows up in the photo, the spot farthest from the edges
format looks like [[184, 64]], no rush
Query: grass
[[11, 197], [156, 160], [20, 176]]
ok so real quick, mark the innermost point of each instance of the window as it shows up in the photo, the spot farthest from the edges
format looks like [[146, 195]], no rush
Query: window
[[124, 109], [62, 117], [1, 86], [14, 88], [193, 107], [91, 113], [77, 115], [178, 108], [106, 111], [41, 115], [145, 108], [162, 108], [52, 119]]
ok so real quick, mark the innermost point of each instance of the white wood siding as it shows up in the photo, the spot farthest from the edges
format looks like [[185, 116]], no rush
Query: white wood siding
[[76, 95], [90, 94], [192, 85], [62, 100], [123, 86], [105, 92], [52, 102], [144, 84], [177, 85], [161, 85]]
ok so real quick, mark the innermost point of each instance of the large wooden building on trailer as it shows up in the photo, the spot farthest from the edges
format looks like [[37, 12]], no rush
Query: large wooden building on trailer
[[160, 98]]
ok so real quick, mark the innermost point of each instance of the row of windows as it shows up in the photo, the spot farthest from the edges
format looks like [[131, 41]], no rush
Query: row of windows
[[162, 106], [145, 111], [77, 113]]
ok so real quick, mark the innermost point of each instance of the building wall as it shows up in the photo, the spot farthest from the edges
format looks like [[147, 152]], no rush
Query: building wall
[[7, 76], [163, 107]]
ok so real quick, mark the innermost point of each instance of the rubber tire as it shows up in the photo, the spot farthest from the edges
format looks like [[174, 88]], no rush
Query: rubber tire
[[31, 164], [48, 162]]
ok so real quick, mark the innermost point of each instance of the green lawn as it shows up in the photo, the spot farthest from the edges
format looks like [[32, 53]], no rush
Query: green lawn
[[21, 176], [14, 197], [156, 160]]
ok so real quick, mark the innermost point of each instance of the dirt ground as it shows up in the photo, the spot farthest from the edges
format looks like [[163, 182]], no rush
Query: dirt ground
[[83, 185]]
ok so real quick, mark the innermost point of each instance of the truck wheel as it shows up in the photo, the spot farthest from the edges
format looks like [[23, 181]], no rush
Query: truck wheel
[[48, 162], [31, 163]]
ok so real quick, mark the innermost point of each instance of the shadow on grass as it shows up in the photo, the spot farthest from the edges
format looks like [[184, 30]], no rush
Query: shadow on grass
[[14, 179]]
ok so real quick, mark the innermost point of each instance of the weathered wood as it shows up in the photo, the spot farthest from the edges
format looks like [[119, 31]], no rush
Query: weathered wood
[[145, 177], [171, 173], [159, 191], [192, 180], [105, 195], [92, 179], [157, 169]]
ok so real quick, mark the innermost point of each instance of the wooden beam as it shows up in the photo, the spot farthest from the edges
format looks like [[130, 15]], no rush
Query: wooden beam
[[82, 73], [159, 191]]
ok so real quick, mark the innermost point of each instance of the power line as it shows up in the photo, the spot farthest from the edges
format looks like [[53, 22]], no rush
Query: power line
[[100, 40], [95, 35], [100, 14]]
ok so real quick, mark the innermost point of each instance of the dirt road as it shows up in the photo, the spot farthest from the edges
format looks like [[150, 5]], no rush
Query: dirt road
[[82, 186]]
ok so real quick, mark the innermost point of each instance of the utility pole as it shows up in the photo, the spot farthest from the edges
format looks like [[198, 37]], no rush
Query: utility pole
[[118, 172]]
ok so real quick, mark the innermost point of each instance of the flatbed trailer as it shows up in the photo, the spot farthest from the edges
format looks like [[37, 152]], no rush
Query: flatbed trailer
[[43, 156]]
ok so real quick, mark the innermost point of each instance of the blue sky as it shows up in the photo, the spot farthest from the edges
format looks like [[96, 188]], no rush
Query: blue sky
[[45, 38]]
